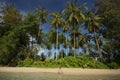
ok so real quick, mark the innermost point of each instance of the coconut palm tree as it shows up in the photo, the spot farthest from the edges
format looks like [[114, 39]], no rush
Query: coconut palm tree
[[84, 41], [77, 33], [74, 16], [92, 23], [56, 22], [65, 28], [41, 14]]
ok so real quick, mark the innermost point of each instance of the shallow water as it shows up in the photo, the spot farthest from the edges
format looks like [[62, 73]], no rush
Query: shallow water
[[49, 76]]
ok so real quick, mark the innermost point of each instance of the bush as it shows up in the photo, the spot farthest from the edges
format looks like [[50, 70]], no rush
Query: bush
[[82, 62], [70, 62], [27, 62], [73, 62], [113, 65], [37, 64], [64, 63], [20, 63], [100, 65]]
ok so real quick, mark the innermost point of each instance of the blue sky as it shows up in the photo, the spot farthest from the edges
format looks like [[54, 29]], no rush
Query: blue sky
[[51, 5], [25, 6]]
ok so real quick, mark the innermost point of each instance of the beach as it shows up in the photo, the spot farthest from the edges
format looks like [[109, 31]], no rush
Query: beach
[[66, 71]]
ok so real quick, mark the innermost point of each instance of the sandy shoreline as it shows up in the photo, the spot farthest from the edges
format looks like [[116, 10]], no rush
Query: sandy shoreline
[[66, 71]]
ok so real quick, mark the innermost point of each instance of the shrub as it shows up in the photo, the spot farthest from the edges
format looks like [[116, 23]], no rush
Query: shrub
[[63, 63], [100, 65], [27, 62], [37, 64], [113, 65], [20, 63], [70, 61]]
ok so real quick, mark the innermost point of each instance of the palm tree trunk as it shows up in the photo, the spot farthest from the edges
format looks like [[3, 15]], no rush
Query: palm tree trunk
[[77, 45], [57, 44], [74, 35], [39, 32], [97, 44], [74, 44], [66, 38], [66, 42]]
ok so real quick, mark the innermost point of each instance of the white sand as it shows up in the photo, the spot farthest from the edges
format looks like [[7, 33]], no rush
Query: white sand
[[66, 71]]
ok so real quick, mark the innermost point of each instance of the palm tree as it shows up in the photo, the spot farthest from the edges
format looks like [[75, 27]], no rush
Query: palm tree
[[51, 39], [65, 29], [62, 54], [41, 14], [74, 16], [77, 33], [56, 22], [84, 41], [92, 23]]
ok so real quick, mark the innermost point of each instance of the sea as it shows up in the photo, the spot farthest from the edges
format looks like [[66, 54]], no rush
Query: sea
[[51, 76]]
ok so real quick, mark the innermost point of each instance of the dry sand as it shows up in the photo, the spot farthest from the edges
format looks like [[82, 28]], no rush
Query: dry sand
[[66, 71]]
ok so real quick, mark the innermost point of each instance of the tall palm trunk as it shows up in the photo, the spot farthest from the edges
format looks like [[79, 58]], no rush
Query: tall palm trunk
[[56, 43], [74, 44], [97, 44], [74, 25], [66, 41], [39, 32], [77, 44]]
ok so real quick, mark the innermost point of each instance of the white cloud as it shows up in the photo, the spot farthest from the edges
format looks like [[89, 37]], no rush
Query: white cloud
[[23, 13], [41, 50]]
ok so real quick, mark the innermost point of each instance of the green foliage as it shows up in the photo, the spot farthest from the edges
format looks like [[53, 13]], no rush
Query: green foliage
[[43, 57], [110, 11], [113, 65], [68, 62], [83, 62], [8, 45], [20, 63], [25, 63], [21, 38], [11, 16], [37, 64], [12, 37]]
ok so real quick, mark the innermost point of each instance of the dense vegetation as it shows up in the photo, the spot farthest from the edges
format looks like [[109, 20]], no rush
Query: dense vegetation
[[67, 62], [22, 36]]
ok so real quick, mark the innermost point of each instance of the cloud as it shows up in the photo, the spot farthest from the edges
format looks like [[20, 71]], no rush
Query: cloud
[[23, 13], [41, 50]]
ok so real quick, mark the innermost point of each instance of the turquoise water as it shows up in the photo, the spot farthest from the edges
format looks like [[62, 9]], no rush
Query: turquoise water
[[49, 76]]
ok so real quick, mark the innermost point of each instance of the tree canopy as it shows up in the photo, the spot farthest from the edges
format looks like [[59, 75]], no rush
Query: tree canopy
[[73, 32]]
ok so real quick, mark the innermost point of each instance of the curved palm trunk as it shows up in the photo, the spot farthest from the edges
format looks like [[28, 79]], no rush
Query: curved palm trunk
[[56, 43], [97, 45]]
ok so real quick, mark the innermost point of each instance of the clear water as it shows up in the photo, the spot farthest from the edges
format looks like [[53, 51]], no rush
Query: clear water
[[49, 76]]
